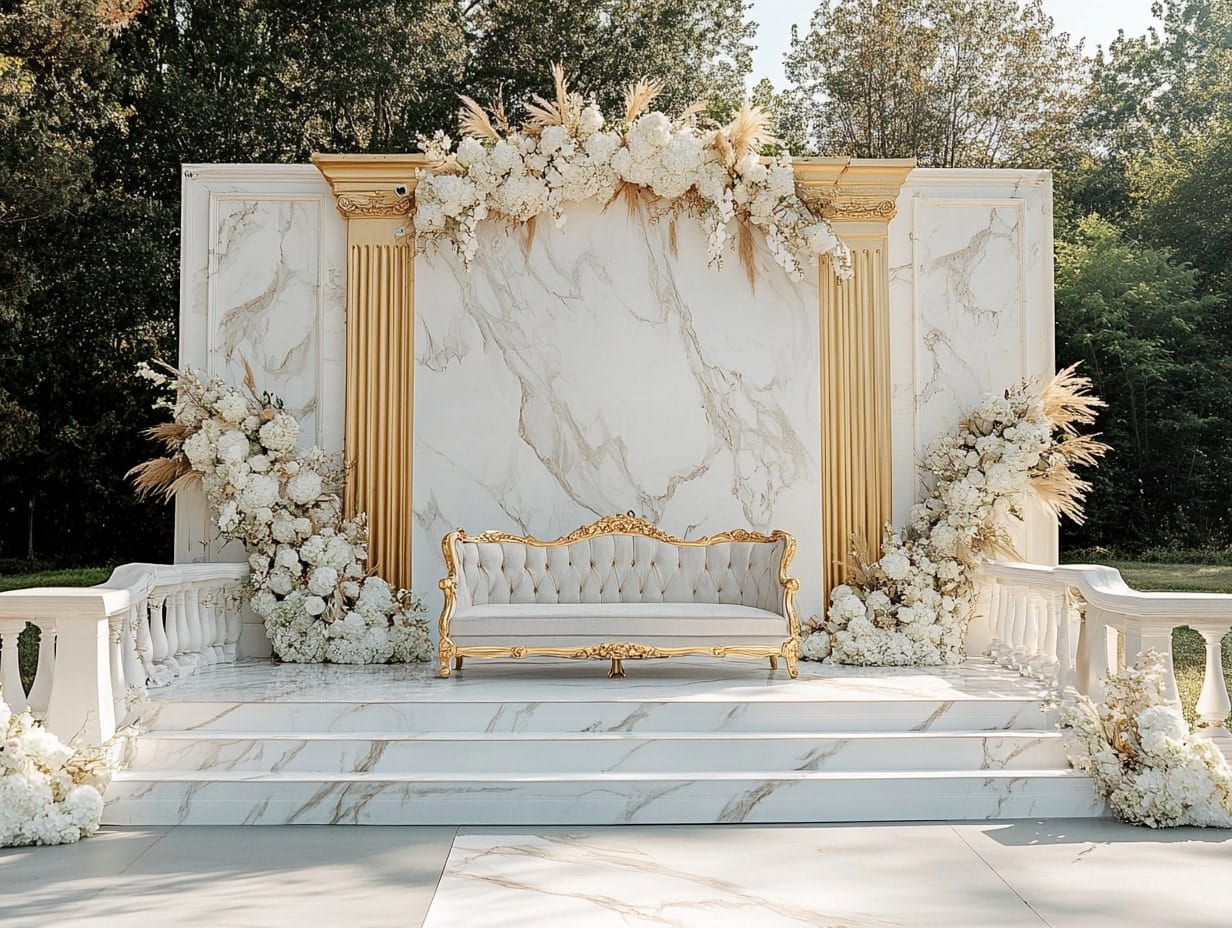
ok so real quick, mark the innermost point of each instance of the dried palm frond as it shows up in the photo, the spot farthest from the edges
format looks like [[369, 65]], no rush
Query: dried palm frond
[[1062, 492], [746, 252], [693, 109], [249, 380], [1068, 401], [473, 120], [1083, 450], [639, 96], [166, 476], [531, 225], [501, 119], [551, 113], [170, 434], [673, 240], [749, 131]]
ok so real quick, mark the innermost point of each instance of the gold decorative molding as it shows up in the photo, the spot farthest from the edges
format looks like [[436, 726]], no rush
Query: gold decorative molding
[[618, 651], [374, 195], [859, 198], [374, 205]]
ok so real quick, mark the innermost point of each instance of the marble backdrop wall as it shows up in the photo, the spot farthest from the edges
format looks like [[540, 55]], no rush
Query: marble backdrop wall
[[591, 371], [595, 373]]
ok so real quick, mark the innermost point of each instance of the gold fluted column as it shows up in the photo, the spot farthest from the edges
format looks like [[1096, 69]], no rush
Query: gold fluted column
[[373, 193], [858, 197]]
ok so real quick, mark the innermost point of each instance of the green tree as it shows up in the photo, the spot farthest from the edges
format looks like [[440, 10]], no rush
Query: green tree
[[699, 49], [1155, 350], [954, 83]]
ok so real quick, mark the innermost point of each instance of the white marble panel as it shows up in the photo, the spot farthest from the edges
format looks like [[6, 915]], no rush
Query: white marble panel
[[597, 373], [971, 293], [263, 258]]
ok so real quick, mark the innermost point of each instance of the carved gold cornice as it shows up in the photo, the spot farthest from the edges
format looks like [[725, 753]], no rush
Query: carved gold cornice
[[372, 186], [852, 189]]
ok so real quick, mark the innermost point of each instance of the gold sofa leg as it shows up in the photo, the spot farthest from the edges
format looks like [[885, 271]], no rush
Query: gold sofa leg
[[618, 668], [457, 662], [792, 670], [774, 662]]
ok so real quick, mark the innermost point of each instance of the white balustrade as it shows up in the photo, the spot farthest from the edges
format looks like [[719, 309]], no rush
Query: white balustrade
[[1077, 623], [147, 625]]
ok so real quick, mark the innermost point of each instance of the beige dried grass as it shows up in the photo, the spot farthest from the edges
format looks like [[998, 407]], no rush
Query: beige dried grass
[[473, 120], [162, 476], [749, 131], [543, 113], [639, 96]]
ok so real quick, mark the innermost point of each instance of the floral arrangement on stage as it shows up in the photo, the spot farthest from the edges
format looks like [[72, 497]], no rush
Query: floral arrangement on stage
[[1144, 760], [568, 151], [309, 579], [912, 606], [50, 793]]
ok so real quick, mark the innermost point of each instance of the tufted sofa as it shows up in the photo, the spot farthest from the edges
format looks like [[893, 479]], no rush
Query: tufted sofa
[[619, 588]]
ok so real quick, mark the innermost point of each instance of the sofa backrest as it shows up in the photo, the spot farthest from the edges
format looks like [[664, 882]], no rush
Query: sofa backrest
[[620, 568]]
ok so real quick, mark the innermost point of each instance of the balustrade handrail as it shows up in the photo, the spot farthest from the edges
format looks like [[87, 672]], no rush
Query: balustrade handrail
[[1075, 623], [146, 625]]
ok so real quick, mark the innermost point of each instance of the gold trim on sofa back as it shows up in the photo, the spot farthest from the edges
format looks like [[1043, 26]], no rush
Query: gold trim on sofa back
[[627, 524]]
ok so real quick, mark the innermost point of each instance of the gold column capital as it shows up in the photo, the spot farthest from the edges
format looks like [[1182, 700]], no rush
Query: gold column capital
[[372, 186], [852, 189]]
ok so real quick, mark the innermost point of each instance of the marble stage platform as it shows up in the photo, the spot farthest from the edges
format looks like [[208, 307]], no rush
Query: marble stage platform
[[556, 742]]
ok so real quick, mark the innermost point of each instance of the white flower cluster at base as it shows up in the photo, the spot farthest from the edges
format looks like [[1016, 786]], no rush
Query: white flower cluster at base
[[309, 581], [49, 792], [913, 605], [536, 169], [1143, 757]]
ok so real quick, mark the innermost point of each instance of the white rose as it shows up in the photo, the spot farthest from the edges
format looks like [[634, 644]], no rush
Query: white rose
[[304, 487], [314, 605], [322, 581]]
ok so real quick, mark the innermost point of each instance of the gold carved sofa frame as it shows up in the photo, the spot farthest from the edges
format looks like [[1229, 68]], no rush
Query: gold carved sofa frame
[[498, 581]]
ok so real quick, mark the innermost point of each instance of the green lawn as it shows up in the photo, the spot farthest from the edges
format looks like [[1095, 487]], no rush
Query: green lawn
[[27, 646]]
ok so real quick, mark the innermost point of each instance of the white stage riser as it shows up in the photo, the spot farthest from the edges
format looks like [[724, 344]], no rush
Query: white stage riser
[[764, 715], [601, 800], [617, 752]]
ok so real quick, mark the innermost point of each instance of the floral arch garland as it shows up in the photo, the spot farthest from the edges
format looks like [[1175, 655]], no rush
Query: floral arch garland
[[568, 151]]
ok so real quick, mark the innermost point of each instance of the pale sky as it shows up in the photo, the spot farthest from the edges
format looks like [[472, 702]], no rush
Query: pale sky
[[1095, 20]]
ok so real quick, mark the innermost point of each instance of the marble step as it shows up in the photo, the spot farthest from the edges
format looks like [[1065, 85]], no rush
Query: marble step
[[694, 714], [232, 798], [640, 752]]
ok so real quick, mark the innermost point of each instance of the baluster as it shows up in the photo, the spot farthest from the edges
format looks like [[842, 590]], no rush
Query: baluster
[[1045, 664], [1213, 703], [115, 659], [1018, 626], [174, 616], [232, 605], [44, 674], [1093, 654], [193, 641], [160, 647], [216, 609], [994, 619], [130, 653], [1030, 634], [1058, 607], [10, 665]]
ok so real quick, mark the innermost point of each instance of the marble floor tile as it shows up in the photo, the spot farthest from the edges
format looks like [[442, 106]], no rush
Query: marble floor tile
[[1098, 873], [715, 877], [38, 882], [256, 877], [560, 680]]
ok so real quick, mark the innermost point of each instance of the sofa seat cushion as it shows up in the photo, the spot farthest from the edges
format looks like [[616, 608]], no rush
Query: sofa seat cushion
[[516, 622]]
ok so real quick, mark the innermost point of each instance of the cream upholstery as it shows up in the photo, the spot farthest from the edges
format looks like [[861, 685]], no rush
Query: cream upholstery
[[617, 621], [620, 569]]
